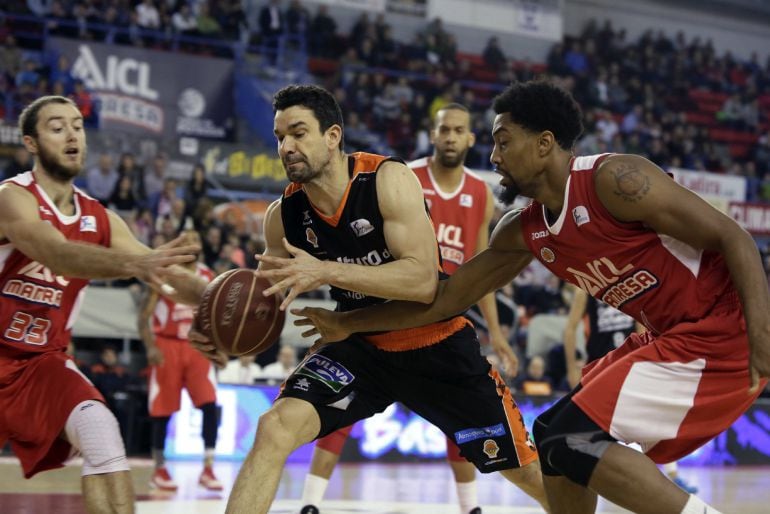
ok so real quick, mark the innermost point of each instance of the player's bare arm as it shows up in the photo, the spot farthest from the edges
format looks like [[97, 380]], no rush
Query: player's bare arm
[[409, 236], [488, 304], [576, 311], [158, 267], [506, 256], [634, 189], [22, 226], [146, 308]]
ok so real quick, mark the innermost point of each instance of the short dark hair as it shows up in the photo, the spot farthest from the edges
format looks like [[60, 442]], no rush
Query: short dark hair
[[325, 108], [28, 117], [453, 106], [540, 105]]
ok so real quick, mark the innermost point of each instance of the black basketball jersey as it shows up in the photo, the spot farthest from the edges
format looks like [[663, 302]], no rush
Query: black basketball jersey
[[608, 328], [353, 235]]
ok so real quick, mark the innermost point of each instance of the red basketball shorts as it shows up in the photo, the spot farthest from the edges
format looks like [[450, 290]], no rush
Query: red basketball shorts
[[37, 396], [674, 392], [183, 368]]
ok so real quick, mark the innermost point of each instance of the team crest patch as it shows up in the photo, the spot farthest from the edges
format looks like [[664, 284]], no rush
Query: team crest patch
[[490, 448], [306, 220], [87, 224], [547, 254], [580, 215], [311, 237], [466, 200], [361, 227], [330, 373]]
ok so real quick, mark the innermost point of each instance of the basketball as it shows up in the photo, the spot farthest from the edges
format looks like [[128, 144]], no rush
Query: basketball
[[235, 315]]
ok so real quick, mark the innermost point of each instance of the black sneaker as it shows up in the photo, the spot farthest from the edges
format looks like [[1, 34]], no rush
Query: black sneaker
[[477, 510], [311, 509]]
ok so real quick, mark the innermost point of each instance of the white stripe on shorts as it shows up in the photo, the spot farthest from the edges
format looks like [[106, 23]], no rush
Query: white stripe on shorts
[[654, 400]]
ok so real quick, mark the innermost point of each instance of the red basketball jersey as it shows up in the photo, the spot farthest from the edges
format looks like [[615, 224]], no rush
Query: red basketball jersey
[[457, 216], [654, 278], [38, 308], [173, 320]]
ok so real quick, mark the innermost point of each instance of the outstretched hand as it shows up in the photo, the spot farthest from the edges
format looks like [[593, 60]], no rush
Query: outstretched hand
[[206, 346], [298, 274], [323, 323]]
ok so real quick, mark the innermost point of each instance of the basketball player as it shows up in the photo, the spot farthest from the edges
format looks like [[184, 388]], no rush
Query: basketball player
[[608, 328], [53, 237], [176, 365], [358, 222], [461, 207], [620, 228]]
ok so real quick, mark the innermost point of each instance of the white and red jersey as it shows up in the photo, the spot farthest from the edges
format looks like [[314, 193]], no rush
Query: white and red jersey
[[173, 320], [38, 308], [654, 278], [457, 216]]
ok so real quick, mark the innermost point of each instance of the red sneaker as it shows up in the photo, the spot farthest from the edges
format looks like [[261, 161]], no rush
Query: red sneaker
[[161, 480], [209, 480]]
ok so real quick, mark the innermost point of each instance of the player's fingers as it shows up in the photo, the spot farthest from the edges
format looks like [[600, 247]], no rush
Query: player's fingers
[[309, 333], [289, 298], [280, 286], [303, 322], [754, 384], [289, 247]]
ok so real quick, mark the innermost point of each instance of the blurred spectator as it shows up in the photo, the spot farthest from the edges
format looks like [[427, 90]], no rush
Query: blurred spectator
[[184, 21], [242, 370], [114, 382], [208, 26], [20, 162], [271, 26], [122, 199], [535, 381], [212, 245], [283, 366], [147, 15], [101, 179], [155, 177], [28, 75], [83, 100], [10, 57], [61, 74], [323, 34], [127, 166], [493, 55], [160, 203]]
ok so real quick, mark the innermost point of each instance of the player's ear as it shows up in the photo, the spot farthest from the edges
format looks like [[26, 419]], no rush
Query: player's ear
[[471, 140], [30, 143], [333, 136]]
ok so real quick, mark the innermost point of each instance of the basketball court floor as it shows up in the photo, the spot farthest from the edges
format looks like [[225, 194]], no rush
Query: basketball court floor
[[355, 488]]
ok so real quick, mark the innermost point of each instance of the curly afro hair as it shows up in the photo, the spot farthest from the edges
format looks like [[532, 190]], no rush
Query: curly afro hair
[[539, 105]]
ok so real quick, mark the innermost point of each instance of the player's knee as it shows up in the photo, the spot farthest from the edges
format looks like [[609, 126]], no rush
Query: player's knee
[[274, 432], [571, 445], [94, 431]]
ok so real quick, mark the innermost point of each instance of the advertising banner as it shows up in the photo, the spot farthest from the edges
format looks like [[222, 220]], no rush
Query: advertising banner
[[727, 188], [754, 217], [153, 92]]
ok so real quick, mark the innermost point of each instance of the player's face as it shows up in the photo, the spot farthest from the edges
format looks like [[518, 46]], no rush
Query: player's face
[[304, 150], [60, 145], [452, 137], [514, 157]]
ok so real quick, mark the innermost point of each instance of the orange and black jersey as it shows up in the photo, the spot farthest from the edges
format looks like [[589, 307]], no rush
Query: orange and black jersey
[[354, 234]]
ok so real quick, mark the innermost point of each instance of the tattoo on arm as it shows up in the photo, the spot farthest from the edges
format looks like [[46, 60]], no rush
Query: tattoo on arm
[[630, 183]]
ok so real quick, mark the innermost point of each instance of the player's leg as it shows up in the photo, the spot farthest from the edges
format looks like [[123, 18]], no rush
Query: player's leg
[[326, 454], [164, 399], [93, 430], [200, 382], [313, 402], [465, 478], [487, 427]]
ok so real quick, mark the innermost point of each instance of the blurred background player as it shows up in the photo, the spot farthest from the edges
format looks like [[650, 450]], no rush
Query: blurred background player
[[607, 329], [176, 365], [53, 238], [461, 207]]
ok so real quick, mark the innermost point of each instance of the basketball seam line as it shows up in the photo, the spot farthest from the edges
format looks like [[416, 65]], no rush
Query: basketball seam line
[[244, 317]]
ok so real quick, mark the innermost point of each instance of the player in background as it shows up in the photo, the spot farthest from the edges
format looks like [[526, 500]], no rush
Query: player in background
[[621, 228], [607, 329], [461, 206], [175, 365], [359, 223], [53, 238]]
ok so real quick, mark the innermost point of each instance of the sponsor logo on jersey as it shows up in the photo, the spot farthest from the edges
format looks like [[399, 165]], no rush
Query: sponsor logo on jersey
[[471, 434], [306, 220], [490, 448], [450, 234], [302, 384], [630, 288], [311, 237], [601, 273], [547, 255], [88, 224], [37, 271], [373, 258], [580, 215], [361, 227], [33, 292], [452, 255], [330, 373], [539, 235], [466, 200]]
